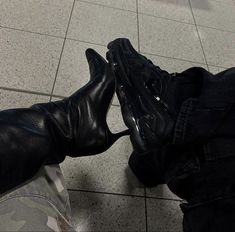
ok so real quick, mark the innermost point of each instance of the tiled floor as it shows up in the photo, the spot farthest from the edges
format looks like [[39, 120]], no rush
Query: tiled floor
[[42, 45]]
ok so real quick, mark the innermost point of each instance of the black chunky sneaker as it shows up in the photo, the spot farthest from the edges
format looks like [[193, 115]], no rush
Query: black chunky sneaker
[[150, 100], [147, 96]]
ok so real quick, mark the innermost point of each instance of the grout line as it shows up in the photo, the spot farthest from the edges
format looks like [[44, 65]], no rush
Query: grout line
[[169, 19], [62, 50], [151, 54], [179, 59], [62, 97], [112, 7], [173, 58], [199, 37], [57, 96], [103, 192], [57, 70], [183, 22], [139, 13], [146, 210], [216, 29], [225, 3], [164, 199], [31, 32], [138, 25], [178, 21], [92, 43], [24, 91], [123, 194], [38, 93], [83, 41], [53, 95], [138, 37], [161, 17]]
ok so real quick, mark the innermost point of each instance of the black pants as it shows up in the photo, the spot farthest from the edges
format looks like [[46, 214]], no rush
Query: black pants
[[199, 163]]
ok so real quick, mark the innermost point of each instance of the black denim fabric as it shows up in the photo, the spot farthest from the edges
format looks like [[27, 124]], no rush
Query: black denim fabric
[[215, 216], [212, 206], [207, 116], [199, 164], [207, 177]]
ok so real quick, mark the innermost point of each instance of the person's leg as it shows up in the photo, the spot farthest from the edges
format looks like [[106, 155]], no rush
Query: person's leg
[[208, 183], [197, 136], [45, 133], [41, 204]]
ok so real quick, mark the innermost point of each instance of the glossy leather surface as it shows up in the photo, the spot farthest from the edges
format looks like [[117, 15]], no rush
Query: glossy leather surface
[[82, 117], [150, 99], [147, 96], [46, 133]]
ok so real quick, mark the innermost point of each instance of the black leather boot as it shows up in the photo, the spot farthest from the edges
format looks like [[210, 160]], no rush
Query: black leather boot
[[46, 133], [150, 100]]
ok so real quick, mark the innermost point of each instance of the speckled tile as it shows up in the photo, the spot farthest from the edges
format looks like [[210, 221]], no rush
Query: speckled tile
[[215, 15], [164, 216], [173, 65], [219, 47], [100, 24], [28, 61], [74, 71], [43, 16], [12, 99], [103, 212], [121, 4], [106, 172], [174, 9], [215, 69], [168, 38], [161, 191], [225, 1]]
